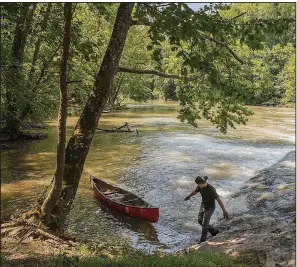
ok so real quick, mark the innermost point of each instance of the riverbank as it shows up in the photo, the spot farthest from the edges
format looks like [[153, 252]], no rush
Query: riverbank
[[104, 255], [52, 250], [263, 231]]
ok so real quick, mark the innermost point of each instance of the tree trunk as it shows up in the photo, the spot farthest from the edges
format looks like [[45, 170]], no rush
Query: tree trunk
[[79, 144], [54, 194], [23, 27]]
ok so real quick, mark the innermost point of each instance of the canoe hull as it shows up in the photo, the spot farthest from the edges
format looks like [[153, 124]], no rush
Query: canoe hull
[[150, 214]]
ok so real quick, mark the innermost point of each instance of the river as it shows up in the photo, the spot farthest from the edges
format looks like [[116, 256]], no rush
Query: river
[[160, 165]]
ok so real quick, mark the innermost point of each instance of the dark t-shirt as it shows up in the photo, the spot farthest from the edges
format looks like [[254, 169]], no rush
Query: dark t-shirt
[[209, 194]]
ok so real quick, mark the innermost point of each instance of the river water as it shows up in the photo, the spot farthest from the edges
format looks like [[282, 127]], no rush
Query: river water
[[160, 165]]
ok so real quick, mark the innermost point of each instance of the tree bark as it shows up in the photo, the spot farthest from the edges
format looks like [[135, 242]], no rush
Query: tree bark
[[54, 194], [23, 27], [79, 144]]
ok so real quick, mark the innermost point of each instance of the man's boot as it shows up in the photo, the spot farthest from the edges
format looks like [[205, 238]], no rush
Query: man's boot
[[201, 240], [214, 231]]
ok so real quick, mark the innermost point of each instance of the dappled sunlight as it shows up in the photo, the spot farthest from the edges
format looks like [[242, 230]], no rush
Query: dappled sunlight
[[46, 154], [222, 171], [265, 196], [184, 181], [71, 121], [25, 187], [217, 243], [237, 240], [289, 164], [39, 161]]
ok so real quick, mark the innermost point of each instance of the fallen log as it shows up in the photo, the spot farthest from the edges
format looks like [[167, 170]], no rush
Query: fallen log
[[120, 129]]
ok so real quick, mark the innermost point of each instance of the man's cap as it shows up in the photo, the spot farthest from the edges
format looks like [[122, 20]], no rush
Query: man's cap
[[200, 179]]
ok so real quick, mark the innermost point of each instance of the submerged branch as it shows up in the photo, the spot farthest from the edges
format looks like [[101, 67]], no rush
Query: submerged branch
[[120, 129]]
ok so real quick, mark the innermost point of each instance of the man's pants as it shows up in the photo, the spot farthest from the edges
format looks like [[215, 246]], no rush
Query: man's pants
[[203, 219]]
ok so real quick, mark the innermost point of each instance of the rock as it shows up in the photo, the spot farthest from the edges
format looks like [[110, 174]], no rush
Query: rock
[[264, 231]]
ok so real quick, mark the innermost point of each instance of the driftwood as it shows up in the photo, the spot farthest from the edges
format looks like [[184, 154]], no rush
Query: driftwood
[[120, 129]]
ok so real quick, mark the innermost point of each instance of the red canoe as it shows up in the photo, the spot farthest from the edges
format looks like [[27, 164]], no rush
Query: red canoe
[[123, 201]]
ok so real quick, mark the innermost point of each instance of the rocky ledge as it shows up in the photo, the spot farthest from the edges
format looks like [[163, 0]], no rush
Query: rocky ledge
[[263, 232]]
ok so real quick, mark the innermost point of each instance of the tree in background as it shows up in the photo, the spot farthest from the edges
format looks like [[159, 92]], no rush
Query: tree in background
[[27, 72], [265, 79], [14, 58]]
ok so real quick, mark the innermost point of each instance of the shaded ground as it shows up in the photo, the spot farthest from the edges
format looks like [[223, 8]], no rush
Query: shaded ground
[[263, 231]]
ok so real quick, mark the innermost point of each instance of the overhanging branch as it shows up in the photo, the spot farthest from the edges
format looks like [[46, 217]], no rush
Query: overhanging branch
[[238, 16], [74, 81], [141, 23], [154, 72], [227, 47]]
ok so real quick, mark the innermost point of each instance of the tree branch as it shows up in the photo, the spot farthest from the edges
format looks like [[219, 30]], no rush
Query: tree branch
[[74, 81], [154, 72], [140, 23], [227, 47], [238, 16]]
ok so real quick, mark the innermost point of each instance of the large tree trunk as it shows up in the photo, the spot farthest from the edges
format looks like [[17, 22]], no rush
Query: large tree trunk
[[79, 144], [54, 194], [23, 27]]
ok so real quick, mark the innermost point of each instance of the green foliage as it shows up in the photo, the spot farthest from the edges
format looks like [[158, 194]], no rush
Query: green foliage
[[45, 98], [266, 75], [224, 84], [205, 49], [198, 259], [288, 78], [280, 18], [203, 259]]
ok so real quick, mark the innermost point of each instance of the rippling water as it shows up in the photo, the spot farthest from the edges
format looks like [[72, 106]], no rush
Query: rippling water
[[159, 165]]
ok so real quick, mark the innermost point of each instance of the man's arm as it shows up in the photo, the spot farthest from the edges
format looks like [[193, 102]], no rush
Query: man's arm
[[225, 213], [192, 194]]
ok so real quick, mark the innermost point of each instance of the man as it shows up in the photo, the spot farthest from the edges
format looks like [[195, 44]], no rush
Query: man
[[209, 195]]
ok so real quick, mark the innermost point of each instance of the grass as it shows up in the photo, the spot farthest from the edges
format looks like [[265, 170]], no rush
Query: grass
[[193, 259]]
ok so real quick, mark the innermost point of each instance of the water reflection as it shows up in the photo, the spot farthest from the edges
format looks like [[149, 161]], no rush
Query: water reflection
[[159, 165], [142, 227]]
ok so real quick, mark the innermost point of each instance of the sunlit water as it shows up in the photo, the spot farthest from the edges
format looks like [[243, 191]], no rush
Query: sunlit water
[[160, 165]]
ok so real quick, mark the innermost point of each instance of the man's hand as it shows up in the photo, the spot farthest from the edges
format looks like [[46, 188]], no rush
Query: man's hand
[[225, 214], [187, 198]]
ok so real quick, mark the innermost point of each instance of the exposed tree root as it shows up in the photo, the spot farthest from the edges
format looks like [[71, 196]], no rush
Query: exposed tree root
[[23, 231]]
